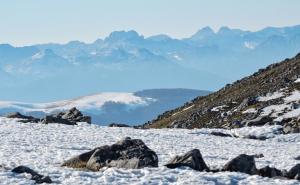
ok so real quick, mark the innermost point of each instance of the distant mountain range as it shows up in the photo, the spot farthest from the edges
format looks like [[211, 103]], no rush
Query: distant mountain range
[[126, 61], [105, 108]]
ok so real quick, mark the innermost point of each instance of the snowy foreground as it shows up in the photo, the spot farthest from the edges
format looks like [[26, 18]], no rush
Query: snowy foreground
[[44, 148]]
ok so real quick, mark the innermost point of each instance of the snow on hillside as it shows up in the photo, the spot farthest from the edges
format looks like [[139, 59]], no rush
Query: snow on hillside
[[82, 103], [44, 148], [288, 109]]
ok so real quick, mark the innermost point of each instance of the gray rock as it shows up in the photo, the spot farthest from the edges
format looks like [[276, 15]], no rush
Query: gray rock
[[79, 161], [127, 153], [53, 119], [38, 178], [242, 163], [297, 158], [192, 159], [74, 115], [270, 172], [247, 102], [259, 121]]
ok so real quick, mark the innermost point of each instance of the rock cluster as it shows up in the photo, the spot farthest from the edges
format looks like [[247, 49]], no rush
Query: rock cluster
[[242, 163], [70, 117]]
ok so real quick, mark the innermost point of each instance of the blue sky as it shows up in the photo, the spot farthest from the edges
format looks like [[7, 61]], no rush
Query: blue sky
[[25, 22]]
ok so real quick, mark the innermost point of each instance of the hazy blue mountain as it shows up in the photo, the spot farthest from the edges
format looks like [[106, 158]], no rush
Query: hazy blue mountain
[[126, 61], [106, 108]]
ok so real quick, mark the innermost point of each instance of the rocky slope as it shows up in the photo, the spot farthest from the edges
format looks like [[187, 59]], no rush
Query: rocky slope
[[269, 96]]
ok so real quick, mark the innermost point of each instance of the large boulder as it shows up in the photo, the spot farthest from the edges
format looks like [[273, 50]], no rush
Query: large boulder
[[242, 163], [23, 118], [127, 153], [38, 178], [270, 172], [294, 173], [192, 159]]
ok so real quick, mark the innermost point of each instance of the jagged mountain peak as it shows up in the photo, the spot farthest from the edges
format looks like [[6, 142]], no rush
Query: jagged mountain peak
[[130, 35], [203, 33]]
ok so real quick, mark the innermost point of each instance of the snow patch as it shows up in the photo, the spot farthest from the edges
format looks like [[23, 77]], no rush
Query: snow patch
[[271, 96]]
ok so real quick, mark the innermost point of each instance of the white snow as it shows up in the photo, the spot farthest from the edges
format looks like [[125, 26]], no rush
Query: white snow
[[297, 81], [82, 103], [218, 108], [250, 45], [271, 96], [177, 57], [37, 56], [250, 110], [44, 148]]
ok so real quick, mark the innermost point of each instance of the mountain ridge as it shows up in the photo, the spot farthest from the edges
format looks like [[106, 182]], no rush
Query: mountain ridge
[[254, 100]]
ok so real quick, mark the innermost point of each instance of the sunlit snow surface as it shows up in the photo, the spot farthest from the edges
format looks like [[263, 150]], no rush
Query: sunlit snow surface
[[45, 147]]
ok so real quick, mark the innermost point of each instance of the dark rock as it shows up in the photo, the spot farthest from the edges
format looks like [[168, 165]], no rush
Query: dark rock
[[38, 178], [247, 102], [294, 172], [270, 172], [259, 121], [192, 159], [262, 138], [24, 119], [118, 125], [53, 119], [220, 134], [127, 153], [258, 156], [242, 163], [290, 128], [297, 158]]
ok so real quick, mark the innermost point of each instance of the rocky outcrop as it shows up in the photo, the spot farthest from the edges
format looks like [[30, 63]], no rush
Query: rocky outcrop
[[74, 115], [38, 178], [127, 153], [23, 118], [242, 163], [192, 159], [70, 117]]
